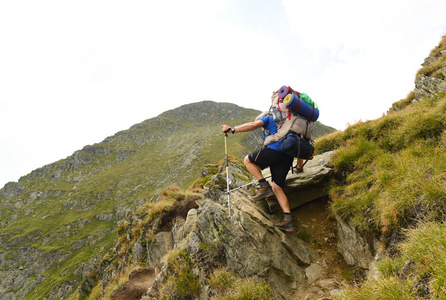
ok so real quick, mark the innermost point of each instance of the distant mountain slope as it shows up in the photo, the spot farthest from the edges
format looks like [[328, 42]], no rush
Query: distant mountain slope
[[59, 219]]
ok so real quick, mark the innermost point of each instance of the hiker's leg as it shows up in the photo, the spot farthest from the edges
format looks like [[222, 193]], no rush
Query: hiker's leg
[[265, 188], [281, 198], [299, 167], [253, 169], [279, 171], [288, 222]]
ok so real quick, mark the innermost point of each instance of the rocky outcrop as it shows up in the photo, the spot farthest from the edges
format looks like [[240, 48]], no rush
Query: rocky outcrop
[[11, 189], [310, 185], [356, 249], [248, 241], [244, 241], [427, 86], [432, 82]]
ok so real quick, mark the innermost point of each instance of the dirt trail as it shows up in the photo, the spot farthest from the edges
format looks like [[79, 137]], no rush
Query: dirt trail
[[139, 281], [319, 231]]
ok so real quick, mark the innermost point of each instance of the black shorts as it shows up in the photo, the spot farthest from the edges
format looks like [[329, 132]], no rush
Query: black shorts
[[278, 162]]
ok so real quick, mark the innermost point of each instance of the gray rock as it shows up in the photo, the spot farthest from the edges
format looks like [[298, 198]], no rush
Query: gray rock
[[251, 244], [352, 245], [429, 86], [138, 253], [328, 284], [11, 190], [107, 217], [161, 244], [314, 272], [306, 186]]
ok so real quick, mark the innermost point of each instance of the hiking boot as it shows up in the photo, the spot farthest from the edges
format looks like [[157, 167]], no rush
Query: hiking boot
[[286, 225], [298, 170], [265, 191]]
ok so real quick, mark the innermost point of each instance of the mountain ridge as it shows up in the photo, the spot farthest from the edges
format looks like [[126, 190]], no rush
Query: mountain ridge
[[58, 220]]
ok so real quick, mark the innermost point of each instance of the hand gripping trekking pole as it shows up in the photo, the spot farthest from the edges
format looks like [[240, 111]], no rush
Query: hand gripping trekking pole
[[227, 172]]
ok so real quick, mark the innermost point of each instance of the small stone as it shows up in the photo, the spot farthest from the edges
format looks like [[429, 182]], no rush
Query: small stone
[[314, 272]]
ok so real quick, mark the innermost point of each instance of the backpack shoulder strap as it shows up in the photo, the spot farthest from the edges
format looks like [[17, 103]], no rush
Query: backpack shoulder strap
[[283, 128]]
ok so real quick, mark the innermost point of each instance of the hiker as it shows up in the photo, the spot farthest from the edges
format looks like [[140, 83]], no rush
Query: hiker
[[270, 156]]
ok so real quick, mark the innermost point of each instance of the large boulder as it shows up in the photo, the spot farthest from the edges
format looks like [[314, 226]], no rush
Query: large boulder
[[307, 186], [356, 249], [426, 86], [248, 241]]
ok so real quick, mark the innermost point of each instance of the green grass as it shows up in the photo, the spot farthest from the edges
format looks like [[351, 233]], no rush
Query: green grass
[[424, 254], [390, 169], [64, 269], [182, 281], [383, 289], [390, 178], [433, 69], [227, 286]]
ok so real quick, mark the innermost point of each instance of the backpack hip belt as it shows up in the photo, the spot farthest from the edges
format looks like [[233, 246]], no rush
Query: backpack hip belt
[[300, 135]]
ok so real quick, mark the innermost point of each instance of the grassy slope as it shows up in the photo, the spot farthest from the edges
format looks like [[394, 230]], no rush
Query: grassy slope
[[390, 177], [390, 166]]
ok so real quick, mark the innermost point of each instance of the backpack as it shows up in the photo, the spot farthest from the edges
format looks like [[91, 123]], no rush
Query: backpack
[[296, 146], [294, 131]]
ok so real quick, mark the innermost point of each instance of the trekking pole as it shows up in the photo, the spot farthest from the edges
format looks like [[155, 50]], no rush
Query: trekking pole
[[227, 172], [252, 182]]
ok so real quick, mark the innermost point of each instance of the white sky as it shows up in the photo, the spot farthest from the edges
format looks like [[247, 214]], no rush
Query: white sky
[[74, 72]]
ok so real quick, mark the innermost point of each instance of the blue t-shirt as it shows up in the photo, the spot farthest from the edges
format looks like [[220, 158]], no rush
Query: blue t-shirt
[[271, 126]]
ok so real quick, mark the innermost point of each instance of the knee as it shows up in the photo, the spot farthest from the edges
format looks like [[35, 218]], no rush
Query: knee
[[246, 161], [276, 188]]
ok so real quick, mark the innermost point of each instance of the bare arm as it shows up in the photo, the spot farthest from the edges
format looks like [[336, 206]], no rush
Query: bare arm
[[244, 127]]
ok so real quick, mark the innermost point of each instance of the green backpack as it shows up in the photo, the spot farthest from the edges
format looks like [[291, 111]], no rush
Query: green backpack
[[307, 99]]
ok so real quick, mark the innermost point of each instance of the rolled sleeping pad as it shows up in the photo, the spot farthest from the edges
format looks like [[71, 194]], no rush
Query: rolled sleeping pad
[[295, 104], [283, 91]]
